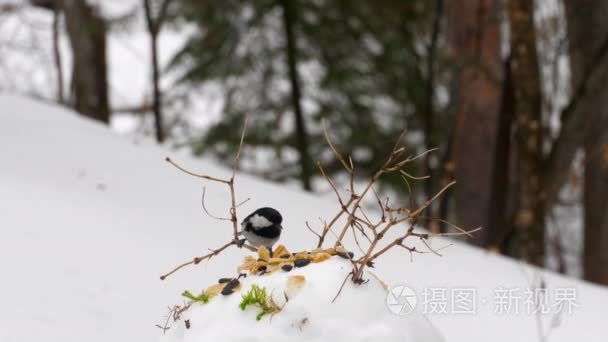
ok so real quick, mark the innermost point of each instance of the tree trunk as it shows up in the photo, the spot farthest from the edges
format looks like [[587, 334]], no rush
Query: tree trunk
[[153, 30], [301, 133], [529, 215], [429, 127], [501, 178], [57, 52], [588, 37], [474, 38], [87, 33]]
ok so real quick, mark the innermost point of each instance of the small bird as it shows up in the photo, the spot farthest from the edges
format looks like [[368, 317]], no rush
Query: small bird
[[262, 227]]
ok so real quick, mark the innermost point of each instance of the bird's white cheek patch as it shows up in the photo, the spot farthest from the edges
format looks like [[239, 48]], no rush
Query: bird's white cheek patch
[[258, 221]]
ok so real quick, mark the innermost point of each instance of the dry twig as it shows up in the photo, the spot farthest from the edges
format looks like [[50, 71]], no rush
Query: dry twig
[[233, 206], [358, 222]]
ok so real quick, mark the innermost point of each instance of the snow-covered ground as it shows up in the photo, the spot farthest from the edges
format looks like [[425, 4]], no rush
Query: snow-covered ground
[[89, 220]]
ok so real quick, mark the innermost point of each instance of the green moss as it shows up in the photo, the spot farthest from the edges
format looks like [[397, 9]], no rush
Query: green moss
[[202, 298], [257, 296]]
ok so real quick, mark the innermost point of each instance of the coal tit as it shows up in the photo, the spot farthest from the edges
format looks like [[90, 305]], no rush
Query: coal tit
[[262, 227]]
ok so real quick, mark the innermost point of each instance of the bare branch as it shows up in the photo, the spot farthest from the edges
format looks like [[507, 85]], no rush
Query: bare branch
[[235, 163], [233, 217], [331, 183], [358, 221], [428, 202], [414, 177], [429, 247], [243, 202], [333, 148], [341, 287], [197, 260], [462, 230], [207, 211], [168, 160], [468, 232], [312, 230]]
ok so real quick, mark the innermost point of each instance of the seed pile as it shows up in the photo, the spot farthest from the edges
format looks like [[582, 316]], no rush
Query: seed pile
[[282, 259], [267, 263]]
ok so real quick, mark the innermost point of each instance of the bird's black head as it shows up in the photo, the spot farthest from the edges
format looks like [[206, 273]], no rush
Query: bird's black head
[[270, 214]]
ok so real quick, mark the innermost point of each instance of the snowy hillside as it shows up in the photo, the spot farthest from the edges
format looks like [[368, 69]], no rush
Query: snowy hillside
[[89, 220]]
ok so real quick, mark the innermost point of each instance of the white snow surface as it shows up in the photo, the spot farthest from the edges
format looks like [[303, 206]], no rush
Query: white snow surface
[[358, 314], [89, 220]]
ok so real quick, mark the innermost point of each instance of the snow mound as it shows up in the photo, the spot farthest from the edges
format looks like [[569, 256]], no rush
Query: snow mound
[[358, 314]]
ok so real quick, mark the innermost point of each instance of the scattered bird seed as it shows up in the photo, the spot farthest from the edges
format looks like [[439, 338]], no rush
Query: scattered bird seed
[[187, 323], [224, 280], [286, 268], [346, 255], [230, 286], [301, 262]]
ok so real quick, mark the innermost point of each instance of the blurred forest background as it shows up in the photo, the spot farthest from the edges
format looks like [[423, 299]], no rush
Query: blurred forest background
[[512, 93]]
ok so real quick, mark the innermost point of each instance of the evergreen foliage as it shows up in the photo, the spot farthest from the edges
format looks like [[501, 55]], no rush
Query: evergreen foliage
[[361, 65]]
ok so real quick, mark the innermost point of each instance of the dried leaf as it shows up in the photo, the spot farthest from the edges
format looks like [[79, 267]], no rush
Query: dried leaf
[[249, 264], [302, 255], [280, 251], [319, 257], [214, 290], [279, 260], [263, 253]]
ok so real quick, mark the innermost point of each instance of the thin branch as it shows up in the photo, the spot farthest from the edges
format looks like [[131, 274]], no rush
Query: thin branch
[[197, 260], [243, 202], [327, 227], [331, 182], [411, 159], [382, 209], [359, 222], [235, 163], [468, 232], [341, 287], [207, 211], [168, 160], [333, 148], [312, 230], [414, 177], [233, 218], [427, 203], [462, 230], [429, 247]]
